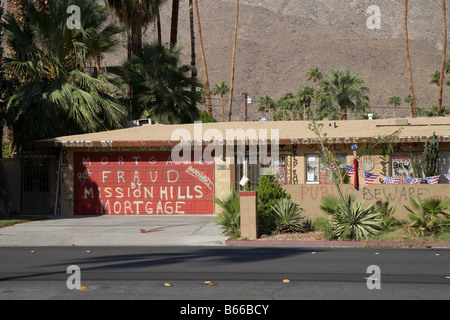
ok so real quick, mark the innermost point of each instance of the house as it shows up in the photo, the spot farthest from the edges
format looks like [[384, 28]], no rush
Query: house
[[177, 169]]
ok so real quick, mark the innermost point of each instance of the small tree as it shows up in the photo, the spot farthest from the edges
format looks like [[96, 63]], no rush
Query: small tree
[[396, 102], [430, 157]]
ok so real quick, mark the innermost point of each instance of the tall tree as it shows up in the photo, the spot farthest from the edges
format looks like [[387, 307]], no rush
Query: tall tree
[[52, 95], [174, 23], [304, 96], [233, 59], [205, 69], [267, 105], [315, 75], [42, 4], [2, 86], [345, 88], [161, 85], [220, 90], [396, 102], [192, 33], [444, 56], [135, 15], [408, 61]]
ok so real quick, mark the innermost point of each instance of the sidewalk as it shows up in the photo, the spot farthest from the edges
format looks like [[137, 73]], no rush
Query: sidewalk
[[192, 230]]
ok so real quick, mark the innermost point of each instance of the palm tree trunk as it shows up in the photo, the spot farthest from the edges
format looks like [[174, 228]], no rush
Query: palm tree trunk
[[158, 26], [223, 111], [315, 98], [233, 59], [191, 27], [174, 23], [136, 40], [343, 112], [208, 92], [408, 61], [444, 54], [2, 94]]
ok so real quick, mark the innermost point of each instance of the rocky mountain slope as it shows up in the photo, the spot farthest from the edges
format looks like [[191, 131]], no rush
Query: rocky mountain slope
[[280, 40]]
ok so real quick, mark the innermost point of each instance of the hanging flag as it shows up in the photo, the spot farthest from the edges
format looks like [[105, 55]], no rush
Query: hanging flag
[[413, 180], [392, 180], [370, 177], [349, 169], [433, 179], [356, 170], [333, 165], [447, 175]]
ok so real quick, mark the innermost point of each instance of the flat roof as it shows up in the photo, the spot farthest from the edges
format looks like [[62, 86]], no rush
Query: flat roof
[[284, 132]]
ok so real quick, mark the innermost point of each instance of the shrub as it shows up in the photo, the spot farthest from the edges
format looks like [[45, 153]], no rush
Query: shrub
[[288, 217], [388, 222], [429, 216], [229, 218], [350, 220], [269, 191]]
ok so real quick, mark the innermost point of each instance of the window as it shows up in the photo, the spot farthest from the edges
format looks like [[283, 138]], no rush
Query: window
[[275, 167], [444, 166], [248, 169], [316, 172], [402, 167]]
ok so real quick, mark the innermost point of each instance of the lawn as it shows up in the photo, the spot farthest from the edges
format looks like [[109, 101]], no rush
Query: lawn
[[9, 220]]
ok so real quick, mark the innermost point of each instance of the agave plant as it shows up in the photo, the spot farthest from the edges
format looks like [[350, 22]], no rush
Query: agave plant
[[354, 222], [429, 215], [289, 217], [229, 218]]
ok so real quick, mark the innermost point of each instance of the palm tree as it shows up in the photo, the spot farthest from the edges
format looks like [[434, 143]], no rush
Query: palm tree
[[192, 33], [408, 61], [396, 102], [345, 88], [305, 96], [52, 95], [42, 4], [2, 86], [315, 75], [287, 103], [266, 104], [233, 59], [135, 15], [220, 90], [205, 69], [161, 86], [444, 56], [435, 78]]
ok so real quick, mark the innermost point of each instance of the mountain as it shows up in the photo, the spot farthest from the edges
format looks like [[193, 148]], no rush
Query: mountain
[[280, 40]]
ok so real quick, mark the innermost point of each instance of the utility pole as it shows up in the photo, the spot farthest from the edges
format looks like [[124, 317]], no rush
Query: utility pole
[[246, 104]]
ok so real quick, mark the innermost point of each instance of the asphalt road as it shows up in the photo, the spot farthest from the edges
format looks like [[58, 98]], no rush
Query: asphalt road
[[236, 273]]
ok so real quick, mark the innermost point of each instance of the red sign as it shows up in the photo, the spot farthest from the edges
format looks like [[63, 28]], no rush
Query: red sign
[[141, 184]]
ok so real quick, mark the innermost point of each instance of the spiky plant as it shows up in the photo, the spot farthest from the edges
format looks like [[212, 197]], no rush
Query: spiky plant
[[288, 217], [229, 218]]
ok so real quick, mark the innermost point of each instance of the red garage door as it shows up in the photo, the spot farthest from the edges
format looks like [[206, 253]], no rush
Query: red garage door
[[132, 184]]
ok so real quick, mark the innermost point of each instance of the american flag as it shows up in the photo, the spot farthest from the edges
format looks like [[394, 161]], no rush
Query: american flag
[[349, 169], [413, 180], [447, 175], [392, 180], [370, 177], [433, 179], [333, 165]]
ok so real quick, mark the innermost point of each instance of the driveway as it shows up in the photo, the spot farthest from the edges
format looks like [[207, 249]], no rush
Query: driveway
[[186, 230]]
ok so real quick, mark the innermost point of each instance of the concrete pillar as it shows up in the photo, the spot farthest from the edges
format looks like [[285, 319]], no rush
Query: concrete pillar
[[249, 215]]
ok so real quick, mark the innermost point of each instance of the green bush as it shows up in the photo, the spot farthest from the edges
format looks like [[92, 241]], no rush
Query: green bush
[[269, 191], [350, 220], [229, 218], [288, 217], [388, 222], [429, 216]]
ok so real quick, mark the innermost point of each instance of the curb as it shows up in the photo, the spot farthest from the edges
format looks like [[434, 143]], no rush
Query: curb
[[337, 244]]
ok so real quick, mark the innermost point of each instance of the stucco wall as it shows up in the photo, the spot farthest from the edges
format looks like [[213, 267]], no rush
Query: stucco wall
[[309, 197]]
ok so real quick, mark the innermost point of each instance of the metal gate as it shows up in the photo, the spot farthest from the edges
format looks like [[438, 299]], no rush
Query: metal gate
[[36, 185]]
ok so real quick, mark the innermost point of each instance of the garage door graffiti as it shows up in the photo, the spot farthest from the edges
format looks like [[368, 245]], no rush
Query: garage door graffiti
[[139, 184]]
